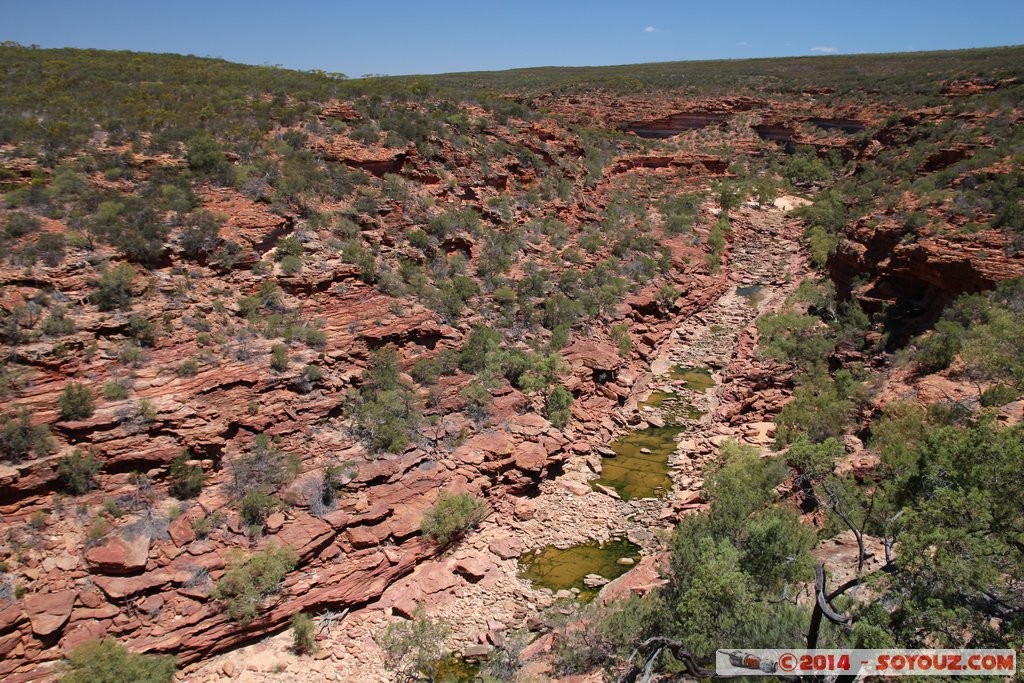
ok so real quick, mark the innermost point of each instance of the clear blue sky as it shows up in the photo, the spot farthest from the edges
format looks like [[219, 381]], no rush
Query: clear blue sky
[[431, 36]]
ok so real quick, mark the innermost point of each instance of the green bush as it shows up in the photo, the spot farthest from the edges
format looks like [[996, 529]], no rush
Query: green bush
[[76, 402], [478, 399], [383, 410], [250, 579], [264, 465], [77, 472], [415, 650], [185, 479], [113, 289], [303, 633], [189, 368], [255, 506], [822, 407], [452, 516], [999, 395], [279, 357], [107, 661], [557, 406], [938, 349], [143, 330], [20, 224], [19, 437], [57, 324]]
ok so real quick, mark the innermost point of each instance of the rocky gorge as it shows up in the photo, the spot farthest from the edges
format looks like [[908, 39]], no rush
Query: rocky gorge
[[621, 247]]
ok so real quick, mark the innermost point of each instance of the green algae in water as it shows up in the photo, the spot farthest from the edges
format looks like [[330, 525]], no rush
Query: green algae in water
[[455, 669], [673, 406], [656, 399], [695, 379], [564, 568], [640, 475]]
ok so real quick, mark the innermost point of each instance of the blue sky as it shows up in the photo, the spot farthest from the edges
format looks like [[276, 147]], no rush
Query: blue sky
[[436, 36]]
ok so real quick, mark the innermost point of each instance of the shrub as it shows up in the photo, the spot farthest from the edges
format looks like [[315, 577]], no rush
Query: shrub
[[820, 244], [19, 437], [937, 350], [621, 337], [481, 341], [998, 395], [188, 368], [313, 373], [76, 402], [557, 406], [264, 465], [383, 410], [478, 399], [279, 357], [37, 520], [20, 224], [201, 235], [452, 516], [113, 289], [107, 661], [205, 157], [255, 506], [185, 478], [821, 407], [250, 579], [414, 650], [288, 246], [426, 370], [57, 324], [142, 330], [291, 265], [77, 472], [303, 633]]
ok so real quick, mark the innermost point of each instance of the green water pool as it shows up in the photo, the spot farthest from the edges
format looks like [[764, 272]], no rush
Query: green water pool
[[564, 568], [634, 474], [695, 379]]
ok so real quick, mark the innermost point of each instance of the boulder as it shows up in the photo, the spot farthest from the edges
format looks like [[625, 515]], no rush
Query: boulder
[[119, 555], [48, 612], [507, 547], [473, 567]]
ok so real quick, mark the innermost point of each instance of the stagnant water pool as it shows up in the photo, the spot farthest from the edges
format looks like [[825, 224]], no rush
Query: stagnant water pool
[[564, 568], [635, 474]]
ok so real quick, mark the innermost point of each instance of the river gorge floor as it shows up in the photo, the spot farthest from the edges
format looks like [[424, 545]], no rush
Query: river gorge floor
[[478, 587]]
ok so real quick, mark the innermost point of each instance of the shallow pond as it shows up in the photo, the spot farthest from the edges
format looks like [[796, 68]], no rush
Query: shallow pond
[[564, 568], [695, 379], [753, 293], [455, 669], [674, 407], [634, 474]]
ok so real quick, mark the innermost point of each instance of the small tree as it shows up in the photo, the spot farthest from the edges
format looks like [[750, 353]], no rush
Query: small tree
[[186, 478], [19, 437], [303, 633], [76, 402], [414, 650], [113, 289], [557, 406], [452, 516], [279, 357], [77, 472], [250, 579], [107, 661]]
